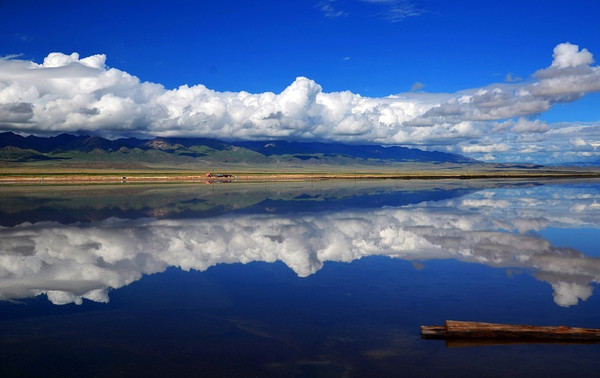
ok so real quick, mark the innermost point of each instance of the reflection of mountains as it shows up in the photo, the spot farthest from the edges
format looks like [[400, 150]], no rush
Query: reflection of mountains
[[90, 204], [69, 204], [85, 260]]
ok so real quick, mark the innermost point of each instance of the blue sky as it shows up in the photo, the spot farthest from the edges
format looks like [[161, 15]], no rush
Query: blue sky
[[427, 52]]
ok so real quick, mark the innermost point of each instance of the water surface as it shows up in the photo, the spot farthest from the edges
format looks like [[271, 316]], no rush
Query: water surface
[[296, 279]]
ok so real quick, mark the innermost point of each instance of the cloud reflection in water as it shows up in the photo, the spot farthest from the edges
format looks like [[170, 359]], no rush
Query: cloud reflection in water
[[492, 227]]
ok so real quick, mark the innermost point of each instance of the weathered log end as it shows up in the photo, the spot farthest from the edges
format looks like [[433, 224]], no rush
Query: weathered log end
[[434, 332], [477, 330]]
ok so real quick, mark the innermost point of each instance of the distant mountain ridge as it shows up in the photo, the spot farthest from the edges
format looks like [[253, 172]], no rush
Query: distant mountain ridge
[[393, 153], [14, 147]]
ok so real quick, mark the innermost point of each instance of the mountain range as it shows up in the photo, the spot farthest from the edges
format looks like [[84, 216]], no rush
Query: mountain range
[[82, 148]]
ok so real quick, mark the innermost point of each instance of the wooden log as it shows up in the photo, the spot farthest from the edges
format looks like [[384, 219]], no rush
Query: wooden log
[[475, 330]]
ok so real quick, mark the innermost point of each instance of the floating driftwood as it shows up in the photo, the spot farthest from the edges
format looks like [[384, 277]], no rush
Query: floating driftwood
[[459, 330]]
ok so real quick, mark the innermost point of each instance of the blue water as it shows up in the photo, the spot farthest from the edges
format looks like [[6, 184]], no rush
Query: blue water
[[330, 279], [586, 240]]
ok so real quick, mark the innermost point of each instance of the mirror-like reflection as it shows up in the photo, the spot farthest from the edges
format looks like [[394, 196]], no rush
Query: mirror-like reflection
[[79, 244]]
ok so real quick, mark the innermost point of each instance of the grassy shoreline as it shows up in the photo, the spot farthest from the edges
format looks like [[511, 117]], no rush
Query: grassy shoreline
[[8, 176]]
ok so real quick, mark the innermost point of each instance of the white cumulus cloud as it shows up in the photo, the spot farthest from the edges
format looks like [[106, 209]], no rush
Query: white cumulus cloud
[[569, 55], [68, 93]]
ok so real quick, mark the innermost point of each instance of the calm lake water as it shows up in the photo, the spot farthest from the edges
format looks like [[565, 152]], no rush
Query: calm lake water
[[299, 279]]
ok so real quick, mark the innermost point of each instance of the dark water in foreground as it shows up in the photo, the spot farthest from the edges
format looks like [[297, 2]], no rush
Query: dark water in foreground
[[304, 279]]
